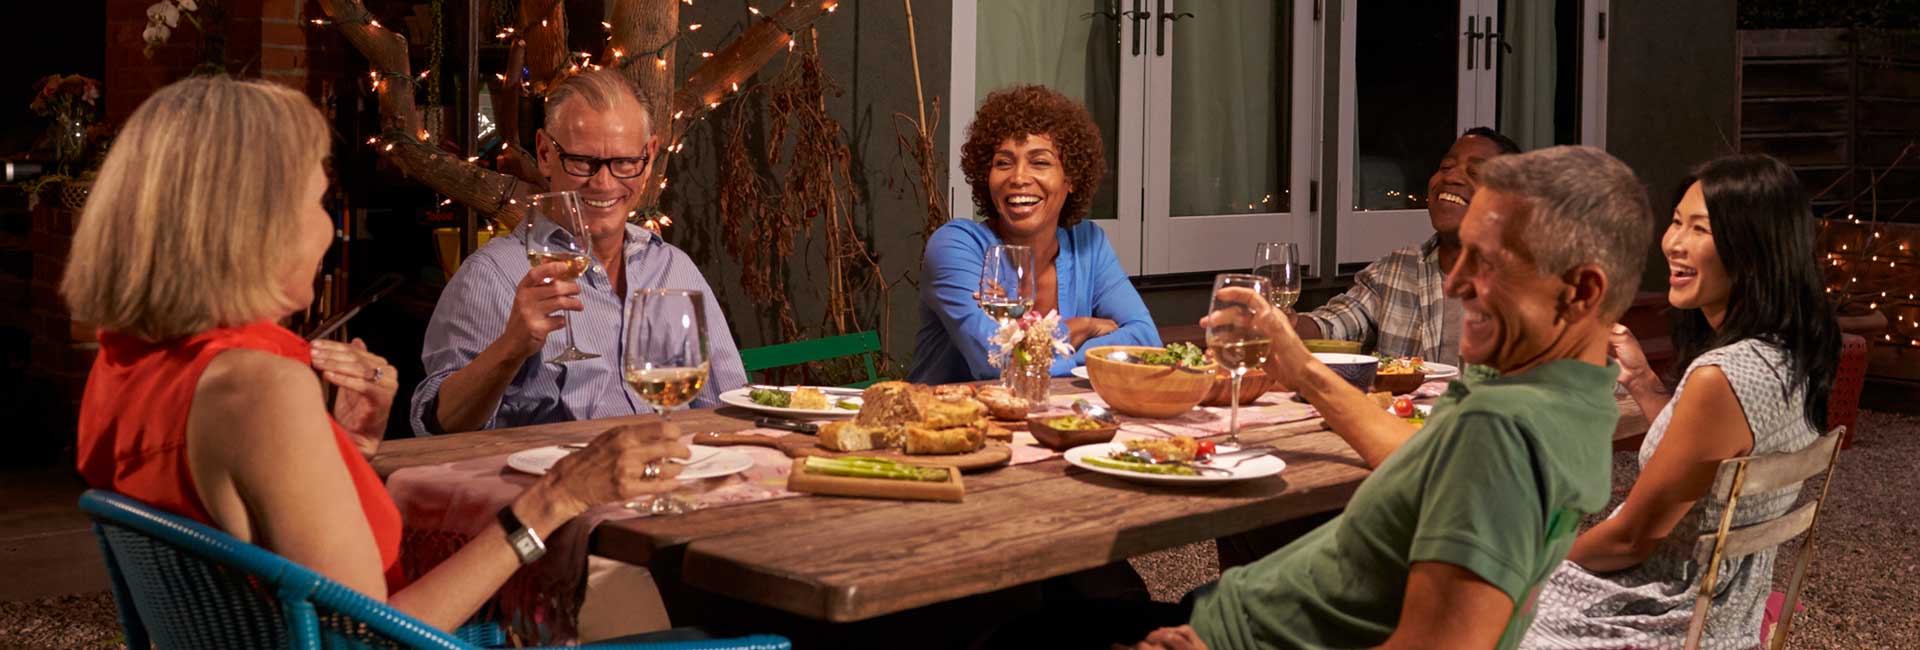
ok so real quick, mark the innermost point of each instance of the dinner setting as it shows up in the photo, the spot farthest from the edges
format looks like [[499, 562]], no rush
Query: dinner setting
[[705, 325]]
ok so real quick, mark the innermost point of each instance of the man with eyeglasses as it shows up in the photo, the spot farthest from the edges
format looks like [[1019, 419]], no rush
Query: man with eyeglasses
[[493, 330]]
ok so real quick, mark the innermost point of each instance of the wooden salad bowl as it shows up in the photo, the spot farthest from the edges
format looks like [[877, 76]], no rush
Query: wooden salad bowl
[[1146, 391], [1254, 384]]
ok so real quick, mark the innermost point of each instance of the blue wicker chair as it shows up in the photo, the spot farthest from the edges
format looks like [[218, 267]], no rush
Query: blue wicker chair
[[180, 584]]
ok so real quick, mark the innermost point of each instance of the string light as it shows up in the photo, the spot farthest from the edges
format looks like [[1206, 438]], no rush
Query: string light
[[693, 27], [706, 55], [753, 10], [320, 22]]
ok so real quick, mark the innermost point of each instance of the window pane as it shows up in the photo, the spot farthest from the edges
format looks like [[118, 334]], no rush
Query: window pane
[[1540, 72], [1072, 46], [1406, 80], [1231, 92]]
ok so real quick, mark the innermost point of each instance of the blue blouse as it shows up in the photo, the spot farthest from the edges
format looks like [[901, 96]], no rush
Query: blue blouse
[[954, 332]]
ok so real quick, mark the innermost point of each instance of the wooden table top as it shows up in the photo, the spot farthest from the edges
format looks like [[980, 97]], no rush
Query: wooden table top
[[845, 559]]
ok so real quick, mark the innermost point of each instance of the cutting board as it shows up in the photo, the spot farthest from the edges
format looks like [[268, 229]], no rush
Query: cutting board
[[801, 481], [994, 454]]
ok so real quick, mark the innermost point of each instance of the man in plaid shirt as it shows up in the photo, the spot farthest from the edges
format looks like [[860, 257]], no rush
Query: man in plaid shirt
[[1396, 305]]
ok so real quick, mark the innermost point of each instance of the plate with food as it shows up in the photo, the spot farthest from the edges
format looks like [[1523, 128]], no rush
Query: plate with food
[[796, 401], [1178, 460], [1404, 408], [1440, 371], [702, 462]]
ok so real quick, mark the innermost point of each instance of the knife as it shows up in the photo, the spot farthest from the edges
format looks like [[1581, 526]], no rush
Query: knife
[[789, 425], [793, 446]]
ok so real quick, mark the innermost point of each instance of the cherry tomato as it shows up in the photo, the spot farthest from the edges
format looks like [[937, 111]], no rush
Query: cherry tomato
[[1403, 407], [1203, 448]]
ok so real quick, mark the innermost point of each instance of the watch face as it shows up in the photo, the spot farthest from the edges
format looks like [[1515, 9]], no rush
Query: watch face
[[526, 546]]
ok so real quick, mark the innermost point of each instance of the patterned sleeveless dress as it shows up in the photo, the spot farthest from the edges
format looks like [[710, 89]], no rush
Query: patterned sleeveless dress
[[1650, 605]]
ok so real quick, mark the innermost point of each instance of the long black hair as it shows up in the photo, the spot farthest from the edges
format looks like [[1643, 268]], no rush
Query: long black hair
[[1763, 230]]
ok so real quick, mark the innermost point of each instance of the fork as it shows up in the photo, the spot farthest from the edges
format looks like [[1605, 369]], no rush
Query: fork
[[1243, 455], [577, 446]]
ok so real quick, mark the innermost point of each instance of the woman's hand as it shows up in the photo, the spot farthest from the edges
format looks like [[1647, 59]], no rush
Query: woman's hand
[[1172, 638], [1635, 373], [1081, 328], [625, 462], [367, 384]]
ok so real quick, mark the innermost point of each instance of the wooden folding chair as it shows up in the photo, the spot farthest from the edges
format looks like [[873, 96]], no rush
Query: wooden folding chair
[[1762, 474]]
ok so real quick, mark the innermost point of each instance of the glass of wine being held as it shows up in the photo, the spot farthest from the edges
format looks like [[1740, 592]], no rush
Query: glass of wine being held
[[664, 359], [1007, 282], [1279, 263], [555, 230], [1233, 339]]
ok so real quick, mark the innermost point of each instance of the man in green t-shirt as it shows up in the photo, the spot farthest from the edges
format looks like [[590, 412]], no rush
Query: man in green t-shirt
[[1443, 545]]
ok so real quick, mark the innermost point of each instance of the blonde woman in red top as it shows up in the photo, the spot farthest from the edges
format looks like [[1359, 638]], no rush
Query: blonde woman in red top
[[204, 229]]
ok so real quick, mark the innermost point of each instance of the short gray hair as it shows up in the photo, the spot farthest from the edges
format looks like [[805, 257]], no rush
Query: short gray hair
[[1586, 207], [601, 89]]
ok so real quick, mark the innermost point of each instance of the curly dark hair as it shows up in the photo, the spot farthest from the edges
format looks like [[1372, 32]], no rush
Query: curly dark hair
[[1021, 111]]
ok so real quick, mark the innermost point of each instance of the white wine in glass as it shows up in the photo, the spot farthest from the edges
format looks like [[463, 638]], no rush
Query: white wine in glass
[[1007, 282], [1236, 343], [665, 361], [1279, 263], [555, 230]]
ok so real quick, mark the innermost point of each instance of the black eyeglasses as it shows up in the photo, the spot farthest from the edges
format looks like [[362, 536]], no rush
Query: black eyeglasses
[[587, 166]]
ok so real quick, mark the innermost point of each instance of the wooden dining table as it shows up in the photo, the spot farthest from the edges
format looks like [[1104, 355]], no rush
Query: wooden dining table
[[839, 559]]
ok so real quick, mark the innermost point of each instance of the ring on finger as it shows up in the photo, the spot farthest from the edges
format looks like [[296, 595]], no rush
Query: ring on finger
[[378, 372], [650, 471]]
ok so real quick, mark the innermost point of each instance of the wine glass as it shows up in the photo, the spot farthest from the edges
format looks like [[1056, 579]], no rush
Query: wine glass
[[1236, 343], [665, 361], [1279, 263], [555, 230], [1006, 282]]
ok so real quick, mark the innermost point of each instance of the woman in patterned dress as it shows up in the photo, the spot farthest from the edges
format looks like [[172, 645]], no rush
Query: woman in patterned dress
[[1760, 346]]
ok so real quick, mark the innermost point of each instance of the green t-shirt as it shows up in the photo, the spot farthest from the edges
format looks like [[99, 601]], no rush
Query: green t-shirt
[[1495, 483]]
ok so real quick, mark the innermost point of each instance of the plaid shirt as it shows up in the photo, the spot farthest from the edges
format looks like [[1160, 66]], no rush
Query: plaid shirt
[[1397, 306]]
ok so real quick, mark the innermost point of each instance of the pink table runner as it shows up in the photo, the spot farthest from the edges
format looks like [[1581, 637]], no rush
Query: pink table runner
[[445, 505]]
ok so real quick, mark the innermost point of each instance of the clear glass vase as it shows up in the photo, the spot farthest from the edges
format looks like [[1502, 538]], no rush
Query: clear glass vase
[[1029, 381]]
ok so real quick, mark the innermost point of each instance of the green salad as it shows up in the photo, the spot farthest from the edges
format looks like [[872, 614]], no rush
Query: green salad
[[1177, 354], [773, 398]]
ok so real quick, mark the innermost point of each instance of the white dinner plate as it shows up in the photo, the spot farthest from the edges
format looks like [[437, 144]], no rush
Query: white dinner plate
[[1081, 372], [1440, 371], [704, 461], [742, 397], [1252, 468]]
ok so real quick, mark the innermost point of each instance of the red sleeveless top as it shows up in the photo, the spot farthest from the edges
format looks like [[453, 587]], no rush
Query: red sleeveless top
[[133, 425]]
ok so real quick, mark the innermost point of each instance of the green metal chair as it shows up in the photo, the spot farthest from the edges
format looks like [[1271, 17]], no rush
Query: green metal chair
[[866, 344]]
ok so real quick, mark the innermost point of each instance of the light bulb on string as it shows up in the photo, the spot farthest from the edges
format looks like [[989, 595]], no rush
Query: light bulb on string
[[693, 27]]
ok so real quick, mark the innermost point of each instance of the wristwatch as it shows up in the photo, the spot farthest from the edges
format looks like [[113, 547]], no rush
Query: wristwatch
[[524, 541]]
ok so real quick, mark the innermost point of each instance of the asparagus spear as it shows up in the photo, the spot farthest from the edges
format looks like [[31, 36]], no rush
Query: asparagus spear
[[1144, 468], [869, 467]]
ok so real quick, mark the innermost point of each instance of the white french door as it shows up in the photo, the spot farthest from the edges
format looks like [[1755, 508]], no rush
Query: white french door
[[1415, 74], [1207, 142], [1210, 109]]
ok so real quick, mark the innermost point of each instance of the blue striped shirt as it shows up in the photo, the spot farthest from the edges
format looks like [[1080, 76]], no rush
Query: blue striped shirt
[[474, 308], [954, 331]]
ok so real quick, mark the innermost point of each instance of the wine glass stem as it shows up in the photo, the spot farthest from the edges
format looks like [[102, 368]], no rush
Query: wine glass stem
[[568, 315], [1233, 418]]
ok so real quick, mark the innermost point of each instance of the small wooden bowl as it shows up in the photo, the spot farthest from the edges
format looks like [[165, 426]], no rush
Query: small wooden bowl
[[1145, 391], [1332, 345], [1254, 384], [1062, 440], [1399, 384]]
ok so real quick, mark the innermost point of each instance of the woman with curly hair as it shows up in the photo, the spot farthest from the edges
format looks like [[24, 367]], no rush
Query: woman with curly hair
[[1034, 159]]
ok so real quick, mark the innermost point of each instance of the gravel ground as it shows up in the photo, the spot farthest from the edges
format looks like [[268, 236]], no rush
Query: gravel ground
[[1858, 593]]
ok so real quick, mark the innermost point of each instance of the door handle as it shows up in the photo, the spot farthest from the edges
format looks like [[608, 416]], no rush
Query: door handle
[[1473, 40], [1160, 33], [1491, 36], [1136, 16]]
